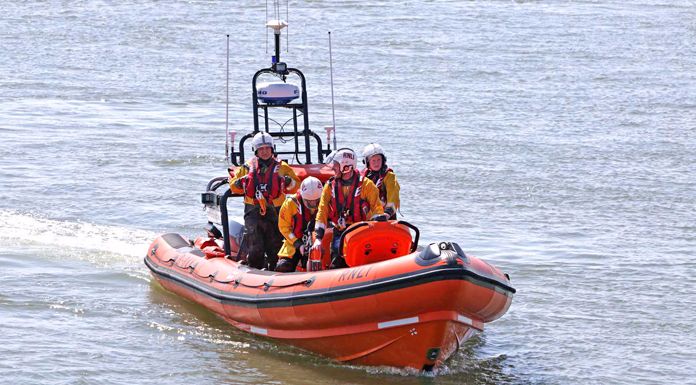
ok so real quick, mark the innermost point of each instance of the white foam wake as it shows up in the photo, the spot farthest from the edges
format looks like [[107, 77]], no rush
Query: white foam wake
[[32, 229]]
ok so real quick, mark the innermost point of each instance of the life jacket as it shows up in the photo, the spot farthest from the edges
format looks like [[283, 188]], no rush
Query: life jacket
[[303, 221], [270, 184], [352, 208], [378, 178], [210, 247]]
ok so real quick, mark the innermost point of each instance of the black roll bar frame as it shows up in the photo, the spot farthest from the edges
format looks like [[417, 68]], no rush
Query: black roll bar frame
[[237, 157]]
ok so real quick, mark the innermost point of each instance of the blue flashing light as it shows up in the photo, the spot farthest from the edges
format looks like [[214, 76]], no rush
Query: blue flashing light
[[273, 59]]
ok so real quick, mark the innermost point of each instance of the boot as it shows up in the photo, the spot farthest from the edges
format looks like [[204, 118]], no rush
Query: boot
[[285, 265], [338, 263]]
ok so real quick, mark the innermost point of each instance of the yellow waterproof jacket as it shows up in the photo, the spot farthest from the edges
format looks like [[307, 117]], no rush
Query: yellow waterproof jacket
[[289, 212], [388, 188], [392, 186], [283, 170], [368, 193]]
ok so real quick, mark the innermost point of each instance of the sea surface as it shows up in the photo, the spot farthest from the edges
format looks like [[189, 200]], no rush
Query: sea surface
[[554, 139]]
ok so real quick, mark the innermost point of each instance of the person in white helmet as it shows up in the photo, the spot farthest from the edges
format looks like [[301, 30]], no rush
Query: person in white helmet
[[375, 161], [347, 198], [296, 223], [264, 181]]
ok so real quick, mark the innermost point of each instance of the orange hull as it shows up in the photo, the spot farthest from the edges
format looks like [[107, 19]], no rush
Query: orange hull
[[410, 311]]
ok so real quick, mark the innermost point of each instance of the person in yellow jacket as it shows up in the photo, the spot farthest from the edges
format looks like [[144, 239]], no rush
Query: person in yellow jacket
[[296, 223], [347, 198], [376, 169], [264, 181]]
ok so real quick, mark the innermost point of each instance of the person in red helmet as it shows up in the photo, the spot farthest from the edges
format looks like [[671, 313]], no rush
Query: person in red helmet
[[264, 181], [347, 198], [383, 177], [296, 223]]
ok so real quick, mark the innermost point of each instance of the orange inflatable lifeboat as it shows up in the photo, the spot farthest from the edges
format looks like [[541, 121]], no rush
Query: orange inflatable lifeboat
[[409, 310]]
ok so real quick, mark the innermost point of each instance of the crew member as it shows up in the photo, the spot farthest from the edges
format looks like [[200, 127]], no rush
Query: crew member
[[296, 223], [376, 169], [264, 181], [347, 198]]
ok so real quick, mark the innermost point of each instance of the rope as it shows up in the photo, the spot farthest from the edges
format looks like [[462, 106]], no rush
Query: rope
[[268, 285]]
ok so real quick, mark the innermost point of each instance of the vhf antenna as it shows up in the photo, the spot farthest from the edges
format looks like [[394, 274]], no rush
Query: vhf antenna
[[227, 104], [333, 110]]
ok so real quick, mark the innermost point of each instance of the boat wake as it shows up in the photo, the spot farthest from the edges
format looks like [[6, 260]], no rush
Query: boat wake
[[99, 244], [466, 366]]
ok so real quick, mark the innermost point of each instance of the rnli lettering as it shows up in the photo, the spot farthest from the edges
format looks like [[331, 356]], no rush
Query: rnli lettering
[[354, 274]]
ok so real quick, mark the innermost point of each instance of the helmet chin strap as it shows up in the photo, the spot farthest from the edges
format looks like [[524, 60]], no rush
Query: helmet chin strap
[[265, 162], [346, 176]]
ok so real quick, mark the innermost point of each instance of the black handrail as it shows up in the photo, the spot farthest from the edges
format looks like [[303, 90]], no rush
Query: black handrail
[[214, 180], [414, 246], [225, 222], [237, 157]]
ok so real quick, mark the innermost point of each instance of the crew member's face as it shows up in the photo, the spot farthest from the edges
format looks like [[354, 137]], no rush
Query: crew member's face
[[339, 174], [311, 204], [375, 162], [264, 152], [347, 175]]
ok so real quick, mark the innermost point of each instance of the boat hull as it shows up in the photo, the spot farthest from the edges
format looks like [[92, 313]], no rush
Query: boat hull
[[412, 311]]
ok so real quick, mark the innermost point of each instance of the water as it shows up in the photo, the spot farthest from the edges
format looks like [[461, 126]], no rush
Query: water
[[556, 140]]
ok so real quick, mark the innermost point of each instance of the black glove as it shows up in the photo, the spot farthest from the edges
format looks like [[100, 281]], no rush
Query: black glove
[[238, 183], [380, 217]]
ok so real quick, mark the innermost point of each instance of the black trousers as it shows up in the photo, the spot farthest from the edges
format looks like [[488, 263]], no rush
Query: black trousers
[[298, 258], [337, 260], [262, 237]]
